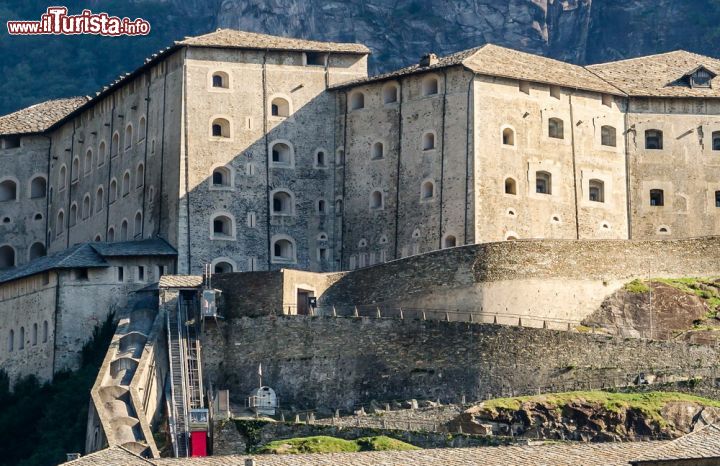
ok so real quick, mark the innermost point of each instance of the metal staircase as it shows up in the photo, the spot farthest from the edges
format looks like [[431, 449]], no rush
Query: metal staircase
[[185, 371]]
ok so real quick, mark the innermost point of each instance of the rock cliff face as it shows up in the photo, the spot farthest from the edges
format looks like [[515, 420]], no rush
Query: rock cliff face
[[399, 31]]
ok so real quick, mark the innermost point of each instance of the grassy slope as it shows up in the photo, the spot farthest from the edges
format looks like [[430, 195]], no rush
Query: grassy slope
[[322, 444], [650, 403]]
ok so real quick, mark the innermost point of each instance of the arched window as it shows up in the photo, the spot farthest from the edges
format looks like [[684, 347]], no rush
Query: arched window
[[320, 160], [38, 187], [282, 154], [36, 250], [102, 153], [86, 206], [126, 184], [7, 257], [45, 331], [98, 238], [75, 172], [60, 225], [111, 234], [321, 207], [99, 199], [138, 225], [510, 186], [556, 128], [322, 237], [128, 136], [223, 267], [280, 107], [508, 137], [220, 128], [378, 151], [21, 340], [34, 335], [222, 227], [428, 141], [140, 176], [427, 190], [113, 190], [116, 144], [62, 178], [88, 161], [430, 86], [716, 140], [124, 230], [220, 79], [390, 93], [221, 177], [8, 190], [283, 250], [357, 100], [449, 241], [653, 139], [608, 136], [376, 200], [73, 214], [596, 191], [657, 197], [338, 207], [142, 128], [282, 203], [543, 182], [340, 157], [11, 340]]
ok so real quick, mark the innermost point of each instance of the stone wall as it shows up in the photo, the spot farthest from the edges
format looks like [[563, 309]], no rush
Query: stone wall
[[336, 363], [239, 437]]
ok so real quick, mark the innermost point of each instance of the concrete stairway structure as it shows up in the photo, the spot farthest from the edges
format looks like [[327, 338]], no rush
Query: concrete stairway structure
[[127, 395]]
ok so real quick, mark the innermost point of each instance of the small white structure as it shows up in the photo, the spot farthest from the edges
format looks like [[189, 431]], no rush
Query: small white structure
[[263, 401]]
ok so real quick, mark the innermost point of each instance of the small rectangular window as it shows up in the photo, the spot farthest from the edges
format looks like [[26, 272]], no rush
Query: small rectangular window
[[524, 87], [315, 59], [81, 275], [121, 274], [555, 91], [141, 273], [10, 142]]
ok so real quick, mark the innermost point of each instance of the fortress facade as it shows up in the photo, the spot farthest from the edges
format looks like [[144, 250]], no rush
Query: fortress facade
[[253, 152]]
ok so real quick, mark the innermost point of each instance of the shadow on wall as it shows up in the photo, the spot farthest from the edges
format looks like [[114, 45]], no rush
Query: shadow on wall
[[267, 201]]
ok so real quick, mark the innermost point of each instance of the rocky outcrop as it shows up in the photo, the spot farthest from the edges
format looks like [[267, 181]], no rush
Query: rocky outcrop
[[398, 32], [670, 309], [589, 421]]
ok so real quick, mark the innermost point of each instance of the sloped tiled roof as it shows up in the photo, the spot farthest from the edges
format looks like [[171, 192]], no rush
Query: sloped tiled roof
[[180, 281], [147, 247], [39, 117], [557, 454], [703, 443], [113, 456], [233, 38], [88, 255], [493, 60], [659, 75]]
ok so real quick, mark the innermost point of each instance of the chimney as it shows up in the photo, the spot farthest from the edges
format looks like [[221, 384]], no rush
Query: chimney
[[428, 60]]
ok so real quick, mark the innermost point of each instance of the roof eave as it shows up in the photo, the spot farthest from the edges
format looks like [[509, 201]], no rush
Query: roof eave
[[277, 49]]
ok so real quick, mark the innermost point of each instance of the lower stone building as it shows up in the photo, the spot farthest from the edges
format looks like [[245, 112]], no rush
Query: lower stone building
[[50, 307]]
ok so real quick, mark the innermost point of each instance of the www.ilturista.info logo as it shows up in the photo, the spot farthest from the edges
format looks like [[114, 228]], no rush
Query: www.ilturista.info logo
[[57, 21]]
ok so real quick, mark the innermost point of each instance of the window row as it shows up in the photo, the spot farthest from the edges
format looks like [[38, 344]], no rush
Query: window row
[[654, 139], [543, 185], [390, 93], [32, 339], [556, 130], [124, 233], [37, 189], [377, 197], [8, 255]]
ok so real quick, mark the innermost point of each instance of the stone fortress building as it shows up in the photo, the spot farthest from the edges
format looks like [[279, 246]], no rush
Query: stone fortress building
[[253, 152]]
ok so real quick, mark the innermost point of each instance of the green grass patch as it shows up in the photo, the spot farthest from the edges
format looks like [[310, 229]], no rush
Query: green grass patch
[[637, 286], [650, 403], [324, 444]]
